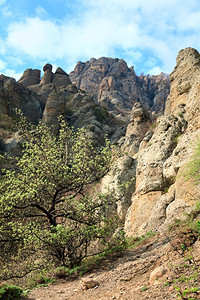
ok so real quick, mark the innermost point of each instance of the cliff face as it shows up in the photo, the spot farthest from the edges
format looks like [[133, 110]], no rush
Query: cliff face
[[47, 98], [117, 87], [162, 192], [14, 96]]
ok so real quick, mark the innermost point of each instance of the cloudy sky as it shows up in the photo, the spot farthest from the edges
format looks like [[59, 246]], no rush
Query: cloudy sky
[[146, 34]]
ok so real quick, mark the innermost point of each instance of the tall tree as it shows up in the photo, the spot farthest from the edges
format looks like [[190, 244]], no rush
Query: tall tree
[[47, 209]]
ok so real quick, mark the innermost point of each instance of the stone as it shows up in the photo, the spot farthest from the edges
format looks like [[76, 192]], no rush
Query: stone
[[138, 214], [139, 121], [55, 106], [61, 78], [47, 77], [30, 77], [117, 87], [185, 83], [12, 144], [89, 283], [157, 274], [158, 150], [47, 67], [162, 191], [19, 97]]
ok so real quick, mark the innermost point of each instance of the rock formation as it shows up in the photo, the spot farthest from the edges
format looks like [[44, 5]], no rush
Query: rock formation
[[117, 87], [162, 192], [15, 96], [54, 95], [157, 147]]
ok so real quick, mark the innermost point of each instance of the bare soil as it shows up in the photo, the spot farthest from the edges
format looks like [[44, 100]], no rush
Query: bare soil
[[127, 277]]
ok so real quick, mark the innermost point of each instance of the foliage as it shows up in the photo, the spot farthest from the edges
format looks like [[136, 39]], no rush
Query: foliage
[[10, 292], [135, 241], [48, 211], [144, 288], [39, 280], [193, 167], [185, 233], [92, 262]]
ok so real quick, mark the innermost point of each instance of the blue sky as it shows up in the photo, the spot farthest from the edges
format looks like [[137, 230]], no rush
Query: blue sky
[[146, 34]]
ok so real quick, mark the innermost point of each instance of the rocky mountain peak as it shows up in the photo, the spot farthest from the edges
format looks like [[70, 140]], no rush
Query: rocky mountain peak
[[47, 67], [184, 97], [31, 79], [116, 86]]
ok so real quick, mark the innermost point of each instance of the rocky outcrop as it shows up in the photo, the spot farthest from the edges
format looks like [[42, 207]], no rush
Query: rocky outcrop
[[185, 81], [49, 81], [60, 97], [116, 86], [30, 77], [162, 191], [123, 172], [15, 96], [138, 129]]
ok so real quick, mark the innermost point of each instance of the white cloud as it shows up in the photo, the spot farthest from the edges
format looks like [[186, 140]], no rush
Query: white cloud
[[155, 71], [14, 61], [40, 11], [3, 65], [8, 72], [6, 11], [35, 37], [2, 2], [155, 28], [12, 73]]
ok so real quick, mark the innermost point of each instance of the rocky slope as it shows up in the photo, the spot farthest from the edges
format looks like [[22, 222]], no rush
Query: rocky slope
[[161, 191], [144, 272], [116, 86]]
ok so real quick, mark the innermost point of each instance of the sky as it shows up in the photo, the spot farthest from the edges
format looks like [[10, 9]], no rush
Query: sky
[[146, 34]]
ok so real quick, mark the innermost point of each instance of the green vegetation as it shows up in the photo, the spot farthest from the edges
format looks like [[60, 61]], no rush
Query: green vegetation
[[184, 234], [193, 167], [49, 214], [10, 292], [138, 240], [100, 112]]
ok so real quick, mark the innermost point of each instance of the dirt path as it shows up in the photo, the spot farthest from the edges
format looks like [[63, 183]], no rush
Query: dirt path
[[125, 278]]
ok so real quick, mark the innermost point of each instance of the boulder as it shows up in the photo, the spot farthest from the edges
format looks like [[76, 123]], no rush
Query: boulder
[[30, 77], [157, 274]]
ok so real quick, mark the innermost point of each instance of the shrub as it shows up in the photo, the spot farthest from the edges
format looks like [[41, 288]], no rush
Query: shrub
[[10, 292]]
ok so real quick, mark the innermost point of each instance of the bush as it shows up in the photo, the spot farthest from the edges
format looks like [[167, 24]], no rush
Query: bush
[[10, 292]]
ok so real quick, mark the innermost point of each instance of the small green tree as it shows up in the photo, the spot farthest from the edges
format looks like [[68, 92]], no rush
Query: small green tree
[[47, 209]]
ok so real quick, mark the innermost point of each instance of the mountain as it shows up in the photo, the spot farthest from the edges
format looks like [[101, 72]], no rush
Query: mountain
[[157, 147], [116, 86], [155, 121]]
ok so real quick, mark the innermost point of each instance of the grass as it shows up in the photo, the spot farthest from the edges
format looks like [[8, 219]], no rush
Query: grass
[[186, 232], [133, 242]]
